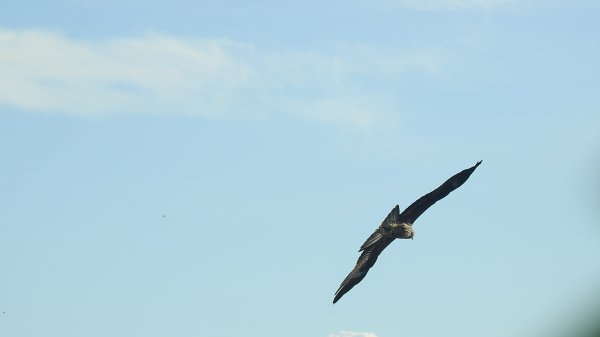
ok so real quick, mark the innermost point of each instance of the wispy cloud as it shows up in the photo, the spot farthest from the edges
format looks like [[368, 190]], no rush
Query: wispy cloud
[[215, 78], [49, 72], [450, 4], [352, 334]]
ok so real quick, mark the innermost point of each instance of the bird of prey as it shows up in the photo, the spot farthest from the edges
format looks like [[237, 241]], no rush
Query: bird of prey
[[397, 226]]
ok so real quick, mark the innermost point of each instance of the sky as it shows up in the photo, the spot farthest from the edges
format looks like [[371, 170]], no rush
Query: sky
[[194, 168]]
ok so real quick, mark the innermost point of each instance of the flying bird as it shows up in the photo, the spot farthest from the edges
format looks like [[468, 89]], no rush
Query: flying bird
[[397, 226]]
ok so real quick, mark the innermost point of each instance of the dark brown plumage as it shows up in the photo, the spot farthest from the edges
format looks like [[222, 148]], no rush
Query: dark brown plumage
[[397, 226]]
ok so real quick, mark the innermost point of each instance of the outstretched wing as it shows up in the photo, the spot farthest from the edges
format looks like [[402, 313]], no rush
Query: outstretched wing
[[371, 249], [412, 212], [366, 260]]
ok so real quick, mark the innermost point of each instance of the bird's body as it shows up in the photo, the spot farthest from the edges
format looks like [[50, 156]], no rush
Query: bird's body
[[397, 226]]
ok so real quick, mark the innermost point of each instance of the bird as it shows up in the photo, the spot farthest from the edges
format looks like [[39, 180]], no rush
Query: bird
[[397, 226]]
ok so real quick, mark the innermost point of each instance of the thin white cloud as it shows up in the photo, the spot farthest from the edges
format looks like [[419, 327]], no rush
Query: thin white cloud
[[49, 72], [214, 78], [450, 4], [352, 334]]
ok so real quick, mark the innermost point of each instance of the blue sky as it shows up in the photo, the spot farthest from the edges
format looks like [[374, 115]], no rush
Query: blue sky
[[211, 169]]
